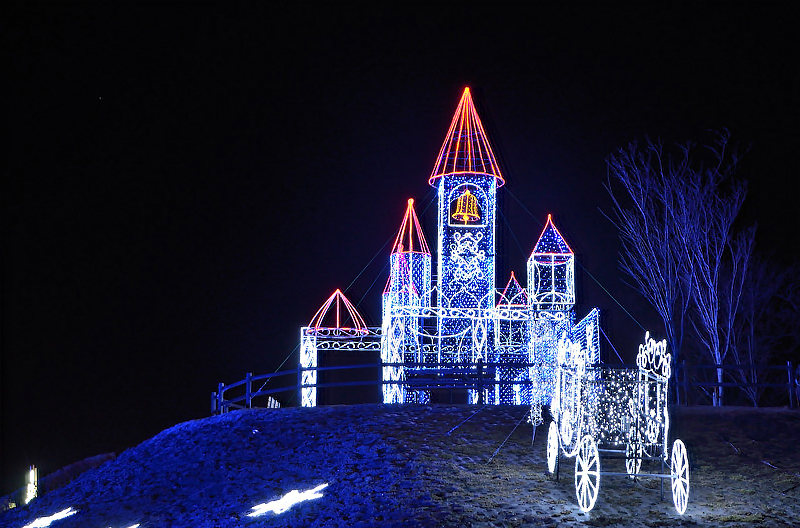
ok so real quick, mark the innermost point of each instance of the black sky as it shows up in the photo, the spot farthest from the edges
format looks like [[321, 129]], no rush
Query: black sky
[[186, 183]]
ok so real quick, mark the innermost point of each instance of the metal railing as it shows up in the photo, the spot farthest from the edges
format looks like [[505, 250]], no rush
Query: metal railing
[[244, 400], [475, 376], [421, 376]]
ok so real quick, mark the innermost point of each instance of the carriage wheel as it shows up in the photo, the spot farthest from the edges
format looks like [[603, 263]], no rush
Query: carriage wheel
[[633, 458], [679, 469], [587, 473], [568, 428], [552, 447]]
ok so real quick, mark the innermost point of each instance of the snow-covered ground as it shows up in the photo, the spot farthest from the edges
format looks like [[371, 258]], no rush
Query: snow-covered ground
[[416, 465]]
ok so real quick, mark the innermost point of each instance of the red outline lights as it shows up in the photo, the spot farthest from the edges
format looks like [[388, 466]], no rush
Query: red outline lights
[[408, 228], [466, 149], [459, 316], [513, 295], [317, 326]]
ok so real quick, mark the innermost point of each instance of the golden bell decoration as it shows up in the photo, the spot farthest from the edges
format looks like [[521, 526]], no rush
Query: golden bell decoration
[[467, 208]]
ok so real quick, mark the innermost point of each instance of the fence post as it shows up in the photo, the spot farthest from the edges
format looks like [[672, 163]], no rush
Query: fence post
[[300, 384], [248, 397], [792, 388], [220, 398], [480, 381], [213, 403]]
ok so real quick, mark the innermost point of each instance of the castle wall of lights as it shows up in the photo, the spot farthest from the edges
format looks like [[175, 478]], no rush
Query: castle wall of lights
[[461, 318]]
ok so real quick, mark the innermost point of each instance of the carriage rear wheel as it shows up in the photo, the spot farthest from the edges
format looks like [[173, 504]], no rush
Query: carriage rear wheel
[[552, 447], [679, 472], [587, 473]]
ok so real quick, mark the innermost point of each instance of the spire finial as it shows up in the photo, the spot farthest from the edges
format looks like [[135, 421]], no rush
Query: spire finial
[[410, 237]]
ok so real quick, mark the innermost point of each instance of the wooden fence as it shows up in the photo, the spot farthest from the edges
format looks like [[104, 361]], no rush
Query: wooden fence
[[782, 380]]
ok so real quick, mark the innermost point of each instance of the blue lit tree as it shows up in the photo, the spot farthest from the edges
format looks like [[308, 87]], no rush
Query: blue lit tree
[[676, 220]]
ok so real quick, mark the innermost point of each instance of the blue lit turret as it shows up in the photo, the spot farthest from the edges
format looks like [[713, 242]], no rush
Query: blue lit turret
[[409, 281], [551, 271]]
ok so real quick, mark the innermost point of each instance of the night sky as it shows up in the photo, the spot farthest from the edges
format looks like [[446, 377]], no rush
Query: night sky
[[185, 184]]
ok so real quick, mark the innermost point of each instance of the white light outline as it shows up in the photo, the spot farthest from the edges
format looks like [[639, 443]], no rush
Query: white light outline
[[458, 320], [283, 504], [44, 522]]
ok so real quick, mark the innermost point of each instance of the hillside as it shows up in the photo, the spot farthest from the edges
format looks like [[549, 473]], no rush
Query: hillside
[[408, 466]]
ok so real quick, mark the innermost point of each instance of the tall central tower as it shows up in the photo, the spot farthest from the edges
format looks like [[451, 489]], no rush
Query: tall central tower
[[466, 176]]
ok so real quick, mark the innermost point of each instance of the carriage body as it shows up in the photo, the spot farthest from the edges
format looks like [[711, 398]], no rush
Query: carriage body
[[618, 412]]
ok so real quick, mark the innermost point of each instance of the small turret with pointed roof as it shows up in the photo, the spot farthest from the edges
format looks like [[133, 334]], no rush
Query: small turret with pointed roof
[[551, 243], [513, 295], [410, 264], [551, 271], [410, 238]]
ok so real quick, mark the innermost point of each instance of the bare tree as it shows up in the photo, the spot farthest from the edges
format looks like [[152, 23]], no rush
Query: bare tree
[[652, 185], [711, 203], [784, 318], [677, 232], [759, 332]]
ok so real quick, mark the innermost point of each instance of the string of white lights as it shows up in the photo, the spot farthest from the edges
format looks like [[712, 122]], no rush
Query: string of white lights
[[458, 320], [616, 409]]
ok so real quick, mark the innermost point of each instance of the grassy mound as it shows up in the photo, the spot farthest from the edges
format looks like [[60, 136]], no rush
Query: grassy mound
[[414, 465]]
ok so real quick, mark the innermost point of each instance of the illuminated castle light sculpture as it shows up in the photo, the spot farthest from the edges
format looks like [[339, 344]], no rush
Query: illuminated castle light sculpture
[[462, 319]]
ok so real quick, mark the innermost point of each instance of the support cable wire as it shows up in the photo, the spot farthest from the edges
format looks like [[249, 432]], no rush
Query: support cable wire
[[378, 276], [279, 366], [368, 263], [358, 304], [427, 197], [513, 235], [612, 345], [465, 421], [524, 415], [582, 267]]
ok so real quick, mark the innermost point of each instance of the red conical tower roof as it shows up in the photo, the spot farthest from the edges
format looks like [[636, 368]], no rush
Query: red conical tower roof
[[550, 241], [466, 148], [410, 238], [513, 294]]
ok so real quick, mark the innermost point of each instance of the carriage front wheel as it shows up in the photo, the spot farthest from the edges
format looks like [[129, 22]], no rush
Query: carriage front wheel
[[587, 473], [552, 447], [679, 473]]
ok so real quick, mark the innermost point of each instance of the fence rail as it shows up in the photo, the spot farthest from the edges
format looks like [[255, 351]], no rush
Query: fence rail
[[477, 376], [783, 378]]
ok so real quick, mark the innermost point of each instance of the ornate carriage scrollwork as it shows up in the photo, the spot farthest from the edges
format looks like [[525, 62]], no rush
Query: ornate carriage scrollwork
[[654, 358]]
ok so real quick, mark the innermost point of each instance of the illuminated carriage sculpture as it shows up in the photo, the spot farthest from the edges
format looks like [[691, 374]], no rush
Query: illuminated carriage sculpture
[[616, 412], [460, 319]]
